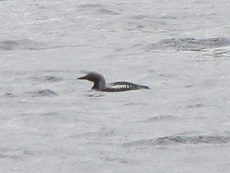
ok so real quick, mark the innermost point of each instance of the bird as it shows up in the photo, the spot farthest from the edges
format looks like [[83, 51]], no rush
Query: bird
[[100, 84]]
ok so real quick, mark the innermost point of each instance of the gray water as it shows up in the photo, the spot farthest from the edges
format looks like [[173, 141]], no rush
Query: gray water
[[52, 122]]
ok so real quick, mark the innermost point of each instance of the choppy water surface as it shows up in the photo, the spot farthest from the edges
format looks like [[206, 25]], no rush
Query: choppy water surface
[[51, 122]]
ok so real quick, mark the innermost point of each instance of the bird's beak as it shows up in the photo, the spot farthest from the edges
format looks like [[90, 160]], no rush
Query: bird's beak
[[83, 77]]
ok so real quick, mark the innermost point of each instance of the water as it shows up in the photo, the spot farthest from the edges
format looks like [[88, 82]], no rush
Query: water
[[52, 122]]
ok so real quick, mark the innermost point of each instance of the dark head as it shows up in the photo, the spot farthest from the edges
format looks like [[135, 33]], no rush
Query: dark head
[[96, 78]]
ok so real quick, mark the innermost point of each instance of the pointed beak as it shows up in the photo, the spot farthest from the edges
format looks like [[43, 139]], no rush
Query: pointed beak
[[83, 77]]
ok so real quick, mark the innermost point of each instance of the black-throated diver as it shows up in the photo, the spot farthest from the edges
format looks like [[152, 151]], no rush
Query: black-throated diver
[[99, 84]]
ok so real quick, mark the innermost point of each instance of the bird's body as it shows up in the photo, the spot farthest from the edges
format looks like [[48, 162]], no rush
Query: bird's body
[[100, 84]]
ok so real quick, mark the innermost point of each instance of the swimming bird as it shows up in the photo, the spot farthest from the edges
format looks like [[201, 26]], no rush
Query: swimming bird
[[100, 84]]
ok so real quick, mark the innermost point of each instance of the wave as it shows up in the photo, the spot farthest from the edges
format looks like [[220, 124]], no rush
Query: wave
[[176, 140], [190, 44], [20, 44]]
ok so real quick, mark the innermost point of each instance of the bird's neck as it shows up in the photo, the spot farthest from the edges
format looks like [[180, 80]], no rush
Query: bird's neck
[[99, 85]]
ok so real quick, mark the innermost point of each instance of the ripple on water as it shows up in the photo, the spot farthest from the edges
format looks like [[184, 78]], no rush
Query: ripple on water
[[190, 44], [177, 140], [42, 93]]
